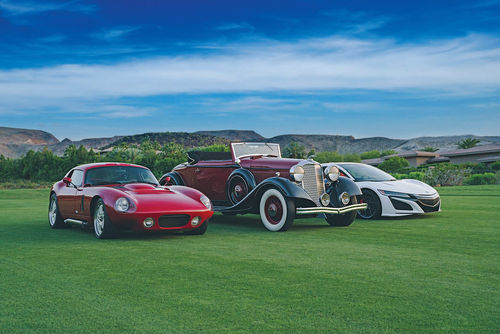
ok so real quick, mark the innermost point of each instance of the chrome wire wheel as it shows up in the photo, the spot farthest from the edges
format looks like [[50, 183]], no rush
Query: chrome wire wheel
[[53, 211], [99, 219]]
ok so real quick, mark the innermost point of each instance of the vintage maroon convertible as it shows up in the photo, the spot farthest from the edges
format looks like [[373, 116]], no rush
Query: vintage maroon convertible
[[253, 178], [112, 196]]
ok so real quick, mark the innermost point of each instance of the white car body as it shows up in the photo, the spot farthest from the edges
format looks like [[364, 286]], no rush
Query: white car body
[[421, 198]]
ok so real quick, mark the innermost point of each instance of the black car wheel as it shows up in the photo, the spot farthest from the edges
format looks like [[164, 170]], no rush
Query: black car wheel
[[345, 219], [276, 212], [374, 209], [238, 189], [55, 218]]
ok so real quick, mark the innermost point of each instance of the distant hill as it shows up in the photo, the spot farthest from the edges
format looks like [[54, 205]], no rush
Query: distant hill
[[235, 135], [16, 142], [185, 139], [26, 136]]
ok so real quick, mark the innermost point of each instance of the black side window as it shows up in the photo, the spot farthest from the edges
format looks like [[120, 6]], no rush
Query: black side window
[[77, 178]]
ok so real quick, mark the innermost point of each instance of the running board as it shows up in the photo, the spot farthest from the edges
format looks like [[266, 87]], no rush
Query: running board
[[76, 221], [330, 210]]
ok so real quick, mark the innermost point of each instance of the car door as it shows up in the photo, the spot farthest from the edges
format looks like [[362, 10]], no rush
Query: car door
[[65, 197], [211, 178], [77, 199]]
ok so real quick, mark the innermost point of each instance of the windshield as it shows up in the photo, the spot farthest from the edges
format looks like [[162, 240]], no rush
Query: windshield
[[119, 174], [366, 173], [248, 149]]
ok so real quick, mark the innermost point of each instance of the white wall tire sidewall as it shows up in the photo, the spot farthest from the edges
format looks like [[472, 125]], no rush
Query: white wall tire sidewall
[[268, 193]]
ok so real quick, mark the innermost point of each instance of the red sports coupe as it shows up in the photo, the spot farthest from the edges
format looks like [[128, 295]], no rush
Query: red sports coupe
[[119, 196]]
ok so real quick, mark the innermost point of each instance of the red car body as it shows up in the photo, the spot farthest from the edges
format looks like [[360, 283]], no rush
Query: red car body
[[254, 178], [171, 208]]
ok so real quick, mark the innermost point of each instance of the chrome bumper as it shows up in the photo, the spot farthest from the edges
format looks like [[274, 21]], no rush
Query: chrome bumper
[[330, 210]]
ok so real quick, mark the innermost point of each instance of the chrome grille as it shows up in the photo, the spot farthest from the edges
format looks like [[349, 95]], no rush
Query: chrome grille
[[313, 181]]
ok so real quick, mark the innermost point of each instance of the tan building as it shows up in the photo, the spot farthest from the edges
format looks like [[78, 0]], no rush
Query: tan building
[[483, 153]]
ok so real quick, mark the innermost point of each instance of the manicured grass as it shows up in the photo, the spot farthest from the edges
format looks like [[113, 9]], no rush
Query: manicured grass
[[433, 273]]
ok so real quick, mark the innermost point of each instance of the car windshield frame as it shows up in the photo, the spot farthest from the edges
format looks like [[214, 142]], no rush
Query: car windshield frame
[[240, 150], [383, 176], [146, 176]]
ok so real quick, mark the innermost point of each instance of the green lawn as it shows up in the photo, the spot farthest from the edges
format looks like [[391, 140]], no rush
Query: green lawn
[[433, 273]]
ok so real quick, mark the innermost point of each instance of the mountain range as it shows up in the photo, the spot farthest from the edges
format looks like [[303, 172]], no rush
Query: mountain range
[[15, 142]]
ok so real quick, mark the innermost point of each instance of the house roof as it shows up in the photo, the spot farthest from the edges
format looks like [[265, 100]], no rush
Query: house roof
[[373, 162], [481, 149], [411, 154]]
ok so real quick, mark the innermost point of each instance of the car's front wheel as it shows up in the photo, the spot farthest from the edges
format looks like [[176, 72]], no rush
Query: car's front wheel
[[55, 218], [103, 228], [345, 219], [374, 209], [276, 212]]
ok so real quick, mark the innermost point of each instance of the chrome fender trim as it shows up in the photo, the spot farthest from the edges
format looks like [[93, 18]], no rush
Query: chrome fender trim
[[330, 210]]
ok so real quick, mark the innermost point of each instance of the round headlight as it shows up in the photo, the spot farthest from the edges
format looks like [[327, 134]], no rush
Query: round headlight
[[325, 199], [344, 198], [122, 204], [206, 202], [297, 173], [195, 221], [149, 222], [332, 172]]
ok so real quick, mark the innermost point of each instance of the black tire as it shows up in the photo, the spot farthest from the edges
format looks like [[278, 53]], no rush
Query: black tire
[[200, 230], [374, 209], [345, 219], [103, 228], [55, 218], [276, 211], [237, 188]]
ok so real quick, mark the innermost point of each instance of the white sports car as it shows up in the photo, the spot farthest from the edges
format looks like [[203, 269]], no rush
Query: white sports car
[[387, 196]]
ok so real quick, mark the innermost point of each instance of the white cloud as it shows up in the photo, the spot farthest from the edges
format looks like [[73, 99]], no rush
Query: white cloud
[[236, 26], [30, 7], [115, 33], [470, 64]]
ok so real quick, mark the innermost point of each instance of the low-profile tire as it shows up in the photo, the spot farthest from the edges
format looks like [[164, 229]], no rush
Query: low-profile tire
[[55, 218], [200, 230], [103, 228], [237, 188], [374, 209], [345, 219], [276, 212]]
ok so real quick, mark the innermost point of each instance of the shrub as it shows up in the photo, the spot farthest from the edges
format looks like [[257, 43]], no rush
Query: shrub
[[387, 152], [394, 165], [481, 179], [417, 176], [370, 155], [323, 157], [445, 174], [495, 166], [351, 157]]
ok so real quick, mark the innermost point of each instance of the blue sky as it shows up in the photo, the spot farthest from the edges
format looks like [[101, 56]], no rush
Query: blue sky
[[400, 69]]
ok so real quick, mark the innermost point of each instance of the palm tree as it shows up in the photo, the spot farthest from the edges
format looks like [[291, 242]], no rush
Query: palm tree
[[468, 143], [429, 149]]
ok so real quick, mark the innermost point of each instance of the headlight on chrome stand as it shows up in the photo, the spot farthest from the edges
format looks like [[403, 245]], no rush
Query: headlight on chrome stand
[[332, 173], [296, 173]]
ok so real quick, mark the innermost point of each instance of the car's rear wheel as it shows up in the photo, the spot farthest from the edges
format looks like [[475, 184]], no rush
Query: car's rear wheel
[[345, 219], [200, 230], [238, 188], [103, 228], [276, 212], [55, 218], [374, 209]]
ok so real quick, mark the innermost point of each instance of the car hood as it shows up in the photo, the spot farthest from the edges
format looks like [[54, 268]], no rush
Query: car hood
[[408, 186], [157, 198], [269, 162]]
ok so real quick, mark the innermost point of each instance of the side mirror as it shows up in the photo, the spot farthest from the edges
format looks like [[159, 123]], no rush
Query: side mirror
[[67, 180]]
